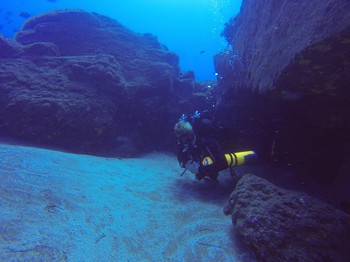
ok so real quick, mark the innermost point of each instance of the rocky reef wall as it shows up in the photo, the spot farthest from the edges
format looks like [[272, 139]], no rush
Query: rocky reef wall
[[83, 82], [267, 35], [283, 85]]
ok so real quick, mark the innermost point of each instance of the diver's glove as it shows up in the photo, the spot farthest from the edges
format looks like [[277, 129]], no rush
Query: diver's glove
[[192, 166], [200, 176], [201, 173]]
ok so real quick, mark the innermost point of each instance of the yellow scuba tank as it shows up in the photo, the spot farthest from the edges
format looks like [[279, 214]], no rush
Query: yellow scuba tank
[[234, 159]]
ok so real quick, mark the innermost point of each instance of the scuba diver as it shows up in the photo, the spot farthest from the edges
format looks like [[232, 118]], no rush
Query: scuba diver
[[196, 140], [200, 152]]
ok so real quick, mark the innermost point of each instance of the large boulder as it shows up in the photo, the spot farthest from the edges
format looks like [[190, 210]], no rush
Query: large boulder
[[84, 82], [144, 61], [283, 225], [56, 101]]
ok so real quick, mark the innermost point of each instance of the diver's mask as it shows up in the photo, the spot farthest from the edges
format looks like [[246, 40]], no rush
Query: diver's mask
[[186, 138]]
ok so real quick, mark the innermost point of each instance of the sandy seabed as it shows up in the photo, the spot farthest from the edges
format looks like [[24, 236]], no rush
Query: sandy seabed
[[58, 206]]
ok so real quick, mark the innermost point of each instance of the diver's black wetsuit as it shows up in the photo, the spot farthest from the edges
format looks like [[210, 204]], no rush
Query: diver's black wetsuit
[[204, 144]]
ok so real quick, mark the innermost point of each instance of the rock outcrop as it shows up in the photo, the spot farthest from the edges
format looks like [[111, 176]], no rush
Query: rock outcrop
[[283, 84], [267, 35], [83, 82], [282, 225]]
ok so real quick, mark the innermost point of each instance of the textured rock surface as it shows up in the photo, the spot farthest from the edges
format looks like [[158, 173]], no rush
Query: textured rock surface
[[267, 35], [284, 84], [283, 225], [84, 82], [9, 48], [81, 33], [54, 100]]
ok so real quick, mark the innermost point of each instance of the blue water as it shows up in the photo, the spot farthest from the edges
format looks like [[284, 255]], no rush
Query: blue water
[[190, 28]]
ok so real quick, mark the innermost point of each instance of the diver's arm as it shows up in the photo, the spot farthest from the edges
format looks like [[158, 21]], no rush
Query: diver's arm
[[182, 157]]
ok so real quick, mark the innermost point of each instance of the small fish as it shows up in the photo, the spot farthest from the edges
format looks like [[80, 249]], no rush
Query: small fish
[[202, 52], [24, 14]]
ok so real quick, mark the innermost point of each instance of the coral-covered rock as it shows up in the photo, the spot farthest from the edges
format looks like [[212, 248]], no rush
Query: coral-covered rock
[[282, 225], [84, 82], [267, 35], [283, 84], [81, 33], [61, 101]]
